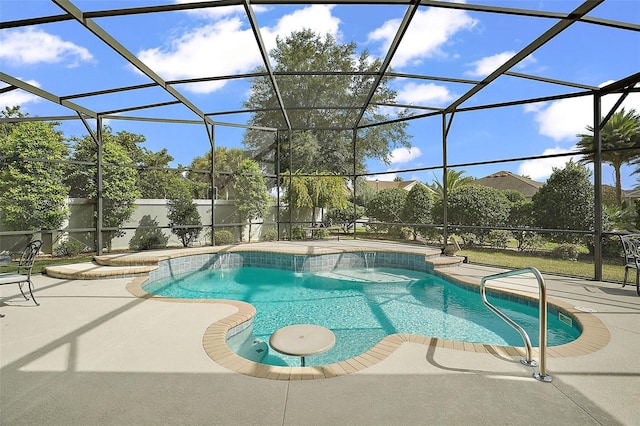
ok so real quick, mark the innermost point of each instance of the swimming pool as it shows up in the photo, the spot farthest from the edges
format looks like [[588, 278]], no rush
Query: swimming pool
[[361, 304]]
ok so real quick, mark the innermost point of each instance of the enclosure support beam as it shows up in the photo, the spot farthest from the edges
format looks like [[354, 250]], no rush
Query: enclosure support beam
[[211, 135], [446, 126], [355, 205], [289, 134], [597, 190], [277, 162], [99, 187]]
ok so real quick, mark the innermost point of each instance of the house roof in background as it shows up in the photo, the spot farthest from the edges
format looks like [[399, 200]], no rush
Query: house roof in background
[[388, 184], [504, 180]]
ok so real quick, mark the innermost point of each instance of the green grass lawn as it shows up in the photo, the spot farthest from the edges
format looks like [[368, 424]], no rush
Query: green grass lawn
[[39, 265], [516, 260]]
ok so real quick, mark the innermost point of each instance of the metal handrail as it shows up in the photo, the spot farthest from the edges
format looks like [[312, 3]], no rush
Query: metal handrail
[[541, 374]]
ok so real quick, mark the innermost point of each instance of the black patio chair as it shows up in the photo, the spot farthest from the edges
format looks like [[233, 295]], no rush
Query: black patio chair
[[631, 246], [23, 274]]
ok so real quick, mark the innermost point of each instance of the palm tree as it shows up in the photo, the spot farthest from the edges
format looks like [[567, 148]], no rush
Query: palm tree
[[619, 136], [455, 180]]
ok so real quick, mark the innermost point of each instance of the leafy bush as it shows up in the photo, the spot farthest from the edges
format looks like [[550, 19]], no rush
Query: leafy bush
[[223, 237], [182, 213], [270, 235], [417, 208], [387, 205], [612, 247], [474, 205], [69, 248], [528, 240], [566, 251], [345, 217], [564, 202], [469, 239], [297, 233], [150, 241], [320, 233], [499, 238], [148, 235]]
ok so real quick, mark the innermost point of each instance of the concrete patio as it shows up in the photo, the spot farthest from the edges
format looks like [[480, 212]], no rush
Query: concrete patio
[[94, 354]]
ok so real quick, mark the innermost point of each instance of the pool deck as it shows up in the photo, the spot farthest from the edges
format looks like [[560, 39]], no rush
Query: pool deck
[[94, 354]]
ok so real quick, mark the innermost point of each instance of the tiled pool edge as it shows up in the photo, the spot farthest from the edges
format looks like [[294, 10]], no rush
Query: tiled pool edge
[[594, 337]]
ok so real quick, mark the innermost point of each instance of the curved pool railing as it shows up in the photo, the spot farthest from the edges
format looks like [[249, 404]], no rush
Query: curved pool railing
[[541, 374]]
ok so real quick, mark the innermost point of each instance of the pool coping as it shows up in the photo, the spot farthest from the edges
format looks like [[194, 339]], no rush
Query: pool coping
[[594, 336]]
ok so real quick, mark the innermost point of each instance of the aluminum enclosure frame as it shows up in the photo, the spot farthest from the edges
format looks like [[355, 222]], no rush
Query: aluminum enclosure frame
[[560, 22]]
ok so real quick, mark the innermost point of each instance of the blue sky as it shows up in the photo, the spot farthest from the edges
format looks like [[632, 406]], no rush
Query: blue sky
[[63, 58]]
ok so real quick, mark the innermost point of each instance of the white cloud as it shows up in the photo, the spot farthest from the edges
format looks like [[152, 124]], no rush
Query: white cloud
[[206, 51], [485, 66], [317, 18], [213, 12], [429, 30], [404, 155], [18, 96], [385, 177], [564, 119], [541, 169], [32, 46], [424, 94]]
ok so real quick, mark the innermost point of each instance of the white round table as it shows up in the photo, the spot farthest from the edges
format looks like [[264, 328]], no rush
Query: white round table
[[302, 340]]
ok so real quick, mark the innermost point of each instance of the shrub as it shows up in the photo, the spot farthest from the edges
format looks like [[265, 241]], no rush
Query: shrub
[[320, 233], [566, 202], [270, 235], [566, 251], [223, 237], [474, 205], [183, 212], [612, 247], [499, 238], [469, 239], [297, 233], [69, 248], [150, 241], [345, 217]]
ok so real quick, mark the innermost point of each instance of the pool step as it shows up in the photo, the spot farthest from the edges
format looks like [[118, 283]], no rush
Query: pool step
[[444, 261], [94, 271]]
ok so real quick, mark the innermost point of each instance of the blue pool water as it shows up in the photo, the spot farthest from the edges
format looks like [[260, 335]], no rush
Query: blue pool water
[[362, 306]]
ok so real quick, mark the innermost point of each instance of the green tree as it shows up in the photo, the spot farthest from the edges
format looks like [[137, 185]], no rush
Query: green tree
[[252, 199], [565, 202], [184, 219], [322, 150], [609, 197], [345, 217], [388, 205], [228, 161], [474, 205], [514, 196], [618, 135], [317, 192], [33, 191], [521, 215], [455, 180], [6, 128], [119, 179], [157, 180], [154, 178], [417, 207], [364, 192]]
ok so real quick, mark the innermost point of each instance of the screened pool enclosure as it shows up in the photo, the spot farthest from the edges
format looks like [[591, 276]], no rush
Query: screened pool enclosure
[[314, 117]]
